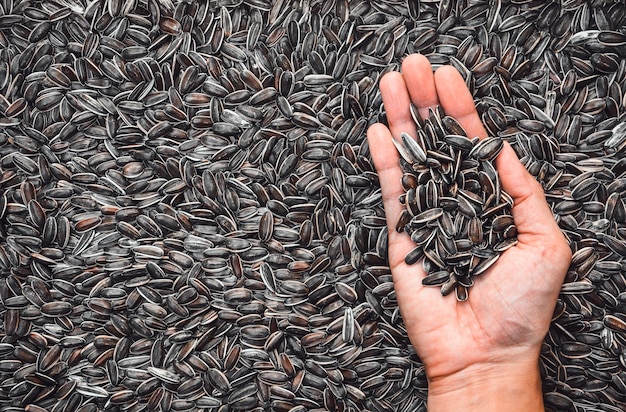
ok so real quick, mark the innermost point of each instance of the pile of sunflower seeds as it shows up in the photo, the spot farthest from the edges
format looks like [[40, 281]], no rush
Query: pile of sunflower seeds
[[455, 210], [190, 218]]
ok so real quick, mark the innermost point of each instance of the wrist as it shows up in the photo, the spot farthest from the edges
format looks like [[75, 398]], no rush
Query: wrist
[[514, 385]]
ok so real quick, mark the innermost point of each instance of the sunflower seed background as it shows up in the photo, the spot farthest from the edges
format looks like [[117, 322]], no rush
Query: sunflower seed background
[[191, 218]]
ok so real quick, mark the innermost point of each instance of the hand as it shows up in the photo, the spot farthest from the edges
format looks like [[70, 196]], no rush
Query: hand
[[487, 346]]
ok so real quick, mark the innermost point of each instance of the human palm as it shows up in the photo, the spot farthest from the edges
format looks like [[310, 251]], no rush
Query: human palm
[[508, 311]]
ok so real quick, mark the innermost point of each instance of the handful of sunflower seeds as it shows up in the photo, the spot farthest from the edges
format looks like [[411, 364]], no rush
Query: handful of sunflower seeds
[[455, 210]]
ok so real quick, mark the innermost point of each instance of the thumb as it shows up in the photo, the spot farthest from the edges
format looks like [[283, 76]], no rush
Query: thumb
[[531, 213]]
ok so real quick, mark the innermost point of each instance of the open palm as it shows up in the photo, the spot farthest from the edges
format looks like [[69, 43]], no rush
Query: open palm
[[509, 309]]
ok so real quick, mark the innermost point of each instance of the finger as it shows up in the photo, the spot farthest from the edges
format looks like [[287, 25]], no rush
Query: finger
[[397, 104], [418, 76], [542, 254], [531, 212], [386, 161], [457, 101]]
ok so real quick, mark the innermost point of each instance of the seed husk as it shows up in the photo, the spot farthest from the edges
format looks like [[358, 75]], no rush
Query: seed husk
[[432, 231]]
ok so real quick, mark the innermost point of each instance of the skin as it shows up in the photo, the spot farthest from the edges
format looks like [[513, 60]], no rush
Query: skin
[[482, 353]]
